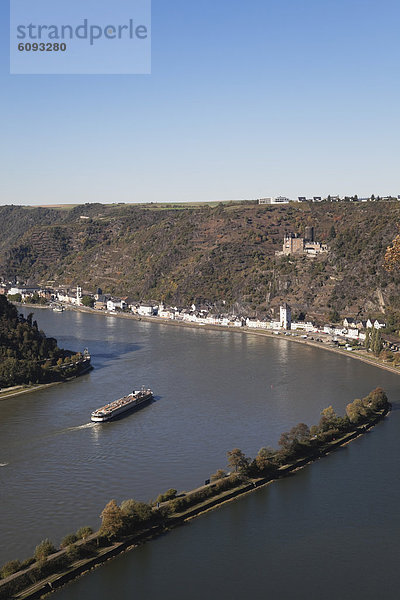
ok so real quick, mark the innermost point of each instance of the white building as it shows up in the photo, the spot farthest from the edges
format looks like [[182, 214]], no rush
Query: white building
[[68, 296], [166, 313], [349, 322], [26, 292], [280, 200], [213, 320], [277, 200], [303, 326], [376, 324], [237, 322], [147, 310], [285, 318], [115, 303], [339, 331], [256, 324], [352, 334]]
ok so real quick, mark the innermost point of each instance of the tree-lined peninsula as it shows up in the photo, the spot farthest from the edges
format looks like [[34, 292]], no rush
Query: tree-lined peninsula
[[124, 526], [27, 356]]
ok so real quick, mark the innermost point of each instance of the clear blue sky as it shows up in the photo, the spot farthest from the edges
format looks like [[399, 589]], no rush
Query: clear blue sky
[[245, 100]]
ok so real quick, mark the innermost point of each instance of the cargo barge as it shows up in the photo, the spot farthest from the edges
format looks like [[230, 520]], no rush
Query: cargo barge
[[126, 404]]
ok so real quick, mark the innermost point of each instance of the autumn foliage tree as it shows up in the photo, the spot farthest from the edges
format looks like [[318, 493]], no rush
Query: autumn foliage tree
[[392, 256], [112, 520], [219, 474], [237, 460]]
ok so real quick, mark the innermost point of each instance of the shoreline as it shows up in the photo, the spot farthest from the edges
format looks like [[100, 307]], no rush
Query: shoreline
[[241, 330], [18, 390], [26, 390], [55, 581]]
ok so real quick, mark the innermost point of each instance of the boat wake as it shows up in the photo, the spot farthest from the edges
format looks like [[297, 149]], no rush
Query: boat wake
[[3, 464], [85, 426]]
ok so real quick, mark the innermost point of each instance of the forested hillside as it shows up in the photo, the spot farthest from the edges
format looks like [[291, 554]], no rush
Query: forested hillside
[[25, 352], [222, 254]]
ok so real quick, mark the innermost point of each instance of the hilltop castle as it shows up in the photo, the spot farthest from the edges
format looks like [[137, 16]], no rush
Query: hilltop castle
[[293, 244]]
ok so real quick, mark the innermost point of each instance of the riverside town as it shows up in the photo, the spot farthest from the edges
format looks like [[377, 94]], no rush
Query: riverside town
[[350, 332]]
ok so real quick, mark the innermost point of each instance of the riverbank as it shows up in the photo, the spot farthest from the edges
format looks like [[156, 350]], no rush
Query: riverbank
[[18, 390], [360, 355], [25, 585]]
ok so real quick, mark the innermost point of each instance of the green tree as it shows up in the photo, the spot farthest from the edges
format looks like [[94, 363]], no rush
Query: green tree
[[334, 316], [168, 495], [293, 442], [73, 552], [69, 539], [356, 411], [376, 342], [44, 549], [367, 341], [88, 301], [84, 532], [14, 297], [299, 433], [328, 419], [377, 399], [9, 568], [134, 513], [264, 458]]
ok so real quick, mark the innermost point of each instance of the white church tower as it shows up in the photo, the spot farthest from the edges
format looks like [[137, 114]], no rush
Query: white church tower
[[285, 316], [78, 295]]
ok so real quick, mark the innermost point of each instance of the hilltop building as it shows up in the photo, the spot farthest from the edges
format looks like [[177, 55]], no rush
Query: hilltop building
[[313, 199], [294, 244], [277, 200]]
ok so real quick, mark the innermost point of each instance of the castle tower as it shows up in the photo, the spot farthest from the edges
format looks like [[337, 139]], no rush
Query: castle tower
[[293, 244], [285, 316], [309, 234]]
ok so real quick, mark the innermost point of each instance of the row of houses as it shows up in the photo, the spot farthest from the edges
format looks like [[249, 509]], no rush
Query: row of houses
[[329, 198], [353, 329], [350, 323]]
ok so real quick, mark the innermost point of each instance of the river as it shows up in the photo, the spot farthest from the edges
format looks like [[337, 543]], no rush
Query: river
[[329, 531]]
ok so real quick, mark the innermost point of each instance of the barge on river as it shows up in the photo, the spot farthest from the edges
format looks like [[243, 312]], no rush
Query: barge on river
[[126, 404]]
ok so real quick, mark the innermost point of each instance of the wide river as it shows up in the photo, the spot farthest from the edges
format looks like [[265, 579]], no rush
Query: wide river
[[331, 531]]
